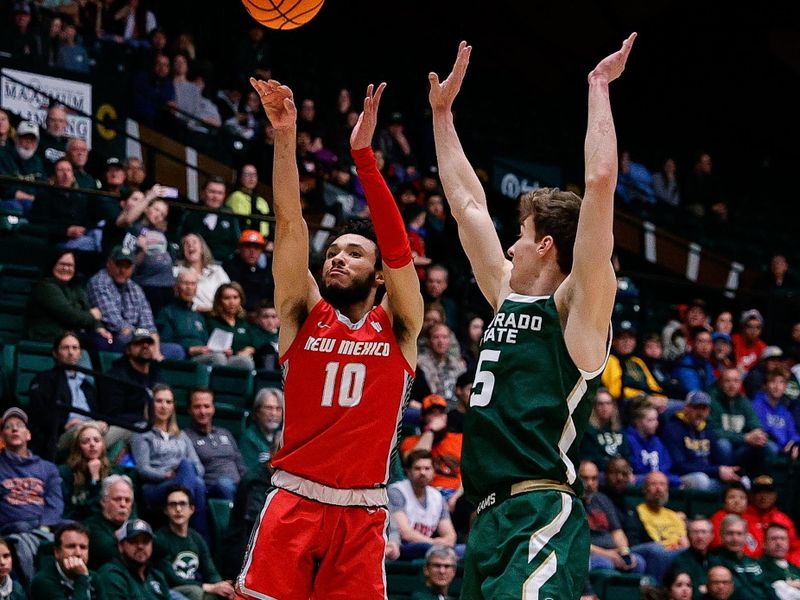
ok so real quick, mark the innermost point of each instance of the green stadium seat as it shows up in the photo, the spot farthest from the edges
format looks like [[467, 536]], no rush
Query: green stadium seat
[[16, 282], [612, 585], [267, 378], [404, 577], [31, 358], [701, 503], [233, 388], [182, 376], [12, 323], [107, 358], [219, 514]]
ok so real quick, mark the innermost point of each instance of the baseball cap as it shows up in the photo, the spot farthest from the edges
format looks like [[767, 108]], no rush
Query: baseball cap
[[119, 253], [140, 334], [251, 236], [113, 162], [763, 483], [751, 314], [28, 128], [625, 327], [14, 411], [771, 352], [698, 398], [22, 7], [718, 335], [433, 401], [132, 528]]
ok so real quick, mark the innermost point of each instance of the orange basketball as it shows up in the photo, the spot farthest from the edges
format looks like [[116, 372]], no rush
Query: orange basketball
[[283, 14]]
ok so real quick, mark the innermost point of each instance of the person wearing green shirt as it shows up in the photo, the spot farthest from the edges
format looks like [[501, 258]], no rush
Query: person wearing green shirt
[[604, 438], [694, 560], [131, 576], [439, 572], [748, 576], [180, 323], [740, 438], [220, 231], [116, 504], [9, 589], [228, 315], [66, 576], [256, 444], [784, 576], [182, 554]]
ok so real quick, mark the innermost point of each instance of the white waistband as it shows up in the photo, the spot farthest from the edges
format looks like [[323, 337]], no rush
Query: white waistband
[[330, 495]]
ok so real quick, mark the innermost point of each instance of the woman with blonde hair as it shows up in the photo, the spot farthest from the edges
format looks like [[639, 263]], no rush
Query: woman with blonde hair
[[195, 255], [165, 456], [228, 315], [86, 467], [603, 438]]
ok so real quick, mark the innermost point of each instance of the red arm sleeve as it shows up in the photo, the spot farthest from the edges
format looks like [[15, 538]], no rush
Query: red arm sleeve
[[389, 226]]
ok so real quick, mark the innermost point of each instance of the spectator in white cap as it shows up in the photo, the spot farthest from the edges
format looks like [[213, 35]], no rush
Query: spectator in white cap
[[24, 163], [770, 359], [747, 344]]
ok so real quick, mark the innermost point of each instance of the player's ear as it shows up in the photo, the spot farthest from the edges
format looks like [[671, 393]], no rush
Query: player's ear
[[379, 280], [545, 244]]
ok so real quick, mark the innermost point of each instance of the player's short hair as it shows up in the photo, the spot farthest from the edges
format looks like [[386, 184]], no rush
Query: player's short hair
[[364, 228], [416, 455], [555, 213]]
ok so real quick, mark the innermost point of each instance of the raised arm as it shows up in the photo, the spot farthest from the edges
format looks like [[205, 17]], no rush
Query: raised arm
[[403, 300], [462, 188], [295, 290], [592, 284]]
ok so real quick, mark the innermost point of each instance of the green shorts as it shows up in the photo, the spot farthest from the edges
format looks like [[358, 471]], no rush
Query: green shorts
[[534, 546]]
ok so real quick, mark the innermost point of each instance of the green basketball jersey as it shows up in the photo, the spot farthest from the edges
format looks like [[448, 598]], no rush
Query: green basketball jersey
[[530, 404]]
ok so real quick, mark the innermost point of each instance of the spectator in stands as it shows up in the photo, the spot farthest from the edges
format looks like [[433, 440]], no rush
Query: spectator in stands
[[135, 174], [68, 576], [665, 184], [418, 509], [702, 193], [86, 466], [262, 434], [778, 421], [179, 323], [648, 452], [722, 356], [694, 560], [6, 131], [219, 230], [195, 255], [439, 572], [228, 316], [694, 370], [735, 503], [603, 438], [154, 264], [437, 369], [265, 335], [779, 572], [634, 183], [132, 574], [778, 288], [57, 303], [246, 201], [609, 548], [435, 288], [77, 152], [252, 55], [9, 588], [182, 554], [165, 456], [747, 344], [656, 532], [677, 586], [434, 315], [21, 40], [740, 438], [677, 333], [116, 503], [22, 163], [661, 369], [626, 376], [215, 446], [724, 322], [53, 393], [248, 268], [771, 358], [155, 94], [470, 347], [394, 144], [307, 122], [126, 388], [246, 121], [618, 478], [53, 140], [693, 447], [761, 513], [30, 491], [131, 206], [720, 584], [72, 56], [444, 446], [122, 303], [455, 417], [262, 149], [748, 577], [51, 39]]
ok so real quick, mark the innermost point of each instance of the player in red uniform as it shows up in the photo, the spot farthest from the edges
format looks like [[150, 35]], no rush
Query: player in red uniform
[[347, 368]]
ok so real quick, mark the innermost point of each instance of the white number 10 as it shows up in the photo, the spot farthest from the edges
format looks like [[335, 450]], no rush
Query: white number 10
[[486, 378], [351, 385]]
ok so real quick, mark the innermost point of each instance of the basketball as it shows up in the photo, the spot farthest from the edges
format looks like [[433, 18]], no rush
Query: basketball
[[283, 14]]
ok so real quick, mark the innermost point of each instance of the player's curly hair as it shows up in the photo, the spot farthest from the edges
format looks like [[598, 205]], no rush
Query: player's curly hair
[[364, 228]]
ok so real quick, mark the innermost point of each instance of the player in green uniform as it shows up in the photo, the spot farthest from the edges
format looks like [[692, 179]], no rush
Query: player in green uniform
[[541, 356]]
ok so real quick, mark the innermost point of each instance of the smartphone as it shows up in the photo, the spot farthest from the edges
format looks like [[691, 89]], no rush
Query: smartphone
[[170, 192]]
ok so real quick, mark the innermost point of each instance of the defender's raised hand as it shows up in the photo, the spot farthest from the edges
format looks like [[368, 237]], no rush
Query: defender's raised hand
[[361, 137], [278, 102], [612, 66], [442, 94]]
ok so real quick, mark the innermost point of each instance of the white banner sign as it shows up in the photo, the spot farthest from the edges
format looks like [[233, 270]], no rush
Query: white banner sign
[[30, 104]]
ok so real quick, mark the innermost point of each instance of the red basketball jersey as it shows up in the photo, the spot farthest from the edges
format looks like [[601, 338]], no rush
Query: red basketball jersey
[[345, 386]]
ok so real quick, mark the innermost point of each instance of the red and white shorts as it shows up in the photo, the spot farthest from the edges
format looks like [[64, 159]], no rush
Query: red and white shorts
[[305, 549]]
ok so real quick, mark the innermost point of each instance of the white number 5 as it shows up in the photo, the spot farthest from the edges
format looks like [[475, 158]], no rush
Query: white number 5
[[485, 379]]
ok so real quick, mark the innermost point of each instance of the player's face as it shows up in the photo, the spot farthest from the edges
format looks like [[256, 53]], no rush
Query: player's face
[[348, 274], [421, 472], [525, 256]]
